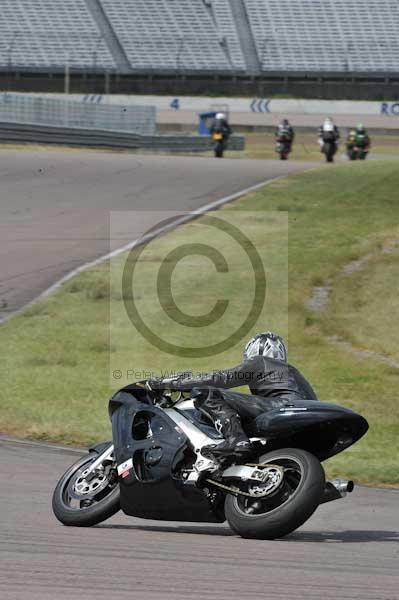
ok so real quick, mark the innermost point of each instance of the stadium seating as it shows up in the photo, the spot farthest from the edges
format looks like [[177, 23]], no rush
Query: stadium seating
[[325, 35], [201, 36], [49, 33], [176, 35]]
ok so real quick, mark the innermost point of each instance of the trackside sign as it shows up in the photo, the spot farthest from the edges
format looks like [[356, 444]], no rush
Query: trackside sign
[[264, 106], [391, 109]]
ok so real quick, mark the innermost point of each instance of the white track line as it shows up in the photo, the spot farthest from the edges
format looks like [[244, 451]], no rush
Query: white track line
[[150, 236], [4, 439]]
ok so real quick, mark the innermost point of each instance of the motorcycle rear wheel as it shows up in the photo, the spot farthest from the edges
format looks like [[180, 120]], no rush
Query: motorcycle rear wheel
[[289, 507], [87, 509]]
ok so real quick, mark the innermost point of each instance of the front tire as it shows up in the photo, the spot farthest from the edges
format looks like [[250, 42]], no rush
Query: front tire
[[289, 507], [89, 508]]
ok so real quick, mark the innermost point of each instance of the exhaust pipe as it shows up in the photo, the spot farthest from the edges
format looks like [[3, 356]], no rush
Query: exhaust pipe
[[336, 489]]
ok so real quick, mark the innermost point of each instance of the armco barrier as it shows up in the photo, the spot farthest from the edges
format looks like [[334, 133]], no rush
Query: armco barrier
[[60, 112], [47, 134]]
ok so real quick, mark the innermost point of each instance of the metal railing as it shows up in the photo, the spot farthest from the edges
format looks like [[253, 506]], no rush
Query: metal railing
[[16, 108], [45, 134]]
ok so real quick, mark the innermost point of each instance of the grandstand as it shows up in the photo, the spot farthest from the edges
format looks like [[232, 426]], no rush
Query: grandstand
[[237, 39], [46, 34], [326, 35], [176, 34]]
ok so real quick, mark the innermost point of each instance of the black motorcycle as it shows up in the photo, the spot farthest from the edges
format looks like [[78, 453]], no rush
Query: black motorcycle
[[154, 468], [219, 139]]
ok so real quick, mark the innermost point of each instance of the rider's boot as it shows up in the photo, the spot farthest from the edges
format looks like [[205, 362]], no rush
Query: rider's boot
[[228, 422]]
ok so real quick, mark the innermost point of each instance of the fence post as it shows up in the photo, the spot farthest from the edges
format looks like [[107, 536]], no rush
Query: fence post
[[107, 82], [67, 77]]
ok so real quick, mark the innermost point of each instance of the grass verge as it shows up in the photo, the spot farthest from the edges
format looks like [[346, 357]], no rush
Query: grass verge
[[55, 364], [262, 146]]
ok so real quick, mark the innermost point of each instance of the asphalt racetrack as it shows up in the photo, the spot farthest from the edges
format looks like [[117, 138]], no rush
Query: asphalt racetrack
[[55, 209], [349, 549], [55, 206]]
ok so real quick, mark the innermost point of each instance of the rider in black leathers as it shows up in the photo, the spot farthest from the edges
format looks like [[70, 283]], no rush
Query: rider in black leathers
[[285, 129], [221, 124], [269, 378], [328, 130]]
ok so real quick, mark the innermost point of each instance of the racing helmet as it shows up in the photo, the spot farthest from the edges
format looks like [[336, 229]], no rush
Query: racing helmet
[[285, 123], [360, 128], [266, 344], [220, 116], [328, 124]]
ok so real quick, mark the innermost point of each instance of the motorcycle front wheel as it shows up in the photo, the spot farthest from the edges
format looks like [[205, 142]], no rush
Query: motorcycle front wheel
[[81, 499], [288, 507]]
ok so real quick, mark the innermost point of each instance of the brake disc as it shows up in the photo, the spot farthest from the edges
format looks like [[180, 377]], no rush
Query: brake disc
[[79, 487], [273, 482]]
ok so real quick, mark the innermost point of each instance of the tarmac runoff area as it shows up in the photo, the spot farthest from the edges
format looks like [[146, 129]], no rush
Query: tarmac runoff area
[[55, 206]]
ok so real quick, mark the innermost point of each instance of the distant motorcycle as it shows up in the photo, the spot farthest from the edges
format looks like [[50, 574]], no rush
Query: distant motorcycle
[[357, 144], [154, 468], [283, 146], [357, 147], [219, 139]]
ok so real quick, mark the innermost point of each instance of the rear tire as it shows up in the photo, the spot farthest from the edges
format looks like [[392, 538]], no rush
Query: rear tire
[[104, 506], [294, 509]]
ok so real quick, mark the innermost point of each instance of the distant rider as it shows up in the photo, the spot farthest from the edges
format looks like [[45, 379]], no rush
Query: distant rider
[[358, 137], [328, 131], [221, 125], [285, 131], [270, 378], [284, 138]]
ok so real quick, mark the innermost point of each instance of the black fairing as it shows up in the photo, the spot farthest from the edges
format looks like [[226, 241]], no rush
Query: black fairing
[[153, 488], [319, 427]]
